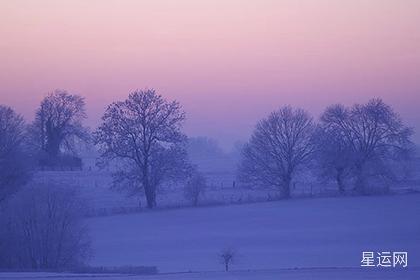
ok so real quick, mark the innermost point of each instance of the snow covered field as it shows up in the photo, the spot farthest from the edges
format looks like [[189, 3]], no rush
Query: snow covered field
[[94, 186], [319, 238], [301, 233], [300, 274]]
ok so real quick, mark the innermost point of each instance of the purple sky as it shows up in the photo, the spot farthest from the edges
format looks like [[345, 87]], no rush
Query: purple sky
[[228, 62]]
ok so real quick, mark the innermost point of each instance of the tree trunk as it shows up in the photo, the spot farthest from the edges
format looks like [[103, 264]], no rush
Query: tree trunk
[[150, 196], [149, 190], [286, 186], [360, 180], [226, 267], [149, 199], [340, 182], [53, 148], [53, 141], [153, 192]]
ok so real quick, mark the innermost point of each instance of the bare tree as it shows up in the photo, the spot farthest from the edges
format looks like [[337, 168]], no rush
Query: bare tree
[[43, 228], [227, 257], [58, 123], [334, 157], [373, 134], [143, 134], [14, 167], [195, 187], [279, 145]]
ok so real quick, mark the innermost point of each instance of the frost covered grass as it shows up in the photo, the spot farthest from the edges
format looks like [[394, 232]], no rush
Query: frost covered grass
[[304, 238], [94, 186], [324, 232], [289, 274], [296, 239]]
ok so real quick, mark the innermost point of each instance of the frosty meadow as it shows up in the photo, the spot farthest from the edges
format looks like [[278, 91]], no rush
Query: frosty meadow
[[53, 204]]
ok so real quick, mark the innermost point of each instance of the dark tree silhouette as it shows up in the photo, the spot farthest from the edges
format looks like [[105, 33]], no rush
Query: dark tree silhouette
[[14, 164], [44, 228], [279, 145], [195, 187], [334, 156], [143, 133], [372, 135], [227, 257], [58, 123]]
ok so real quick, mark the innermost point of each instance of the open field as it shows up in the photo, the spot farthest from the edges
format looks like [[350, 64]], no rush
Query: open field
[[320, 238], [94, 187], [298, 274], [297, 239], [301, 233]]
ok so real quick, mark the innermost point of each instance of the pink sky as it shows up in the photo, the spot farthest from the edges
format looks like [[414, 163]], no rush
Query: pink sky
[[228, 62]]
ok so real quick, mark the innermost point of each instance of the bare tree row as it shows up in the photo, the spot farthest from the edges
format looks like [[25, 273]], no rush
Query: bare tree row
[[142, 138], [356, 147]]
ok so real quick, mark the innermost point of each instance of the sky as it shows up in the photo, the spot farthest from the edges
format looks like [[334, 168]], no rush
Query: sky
[[229, 63]]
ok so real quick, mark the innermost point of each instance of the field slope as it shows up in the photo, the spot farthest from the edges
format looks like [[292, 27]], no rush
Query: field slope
[[300, 233]]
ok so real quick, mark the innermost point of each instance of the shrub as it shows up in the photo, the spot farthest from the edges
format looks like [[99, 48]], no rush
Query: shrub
[[43, 228], [195, 188]]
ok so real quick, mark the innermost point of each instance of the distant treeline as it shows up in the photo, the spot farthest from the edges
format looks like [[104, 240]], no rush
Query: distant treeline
[[363, 149], [356, 147]]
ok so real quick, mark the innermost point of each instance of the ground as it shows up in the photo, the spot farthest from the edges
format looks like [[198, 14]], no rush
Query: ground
[[299, 274], [319, 238], [323, 232]]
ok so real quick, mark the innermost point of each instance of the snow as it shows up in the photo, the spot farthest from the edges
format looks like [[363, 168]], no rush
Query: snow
[[95, 188], [297, 239], [291, 274], [299, 233]]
